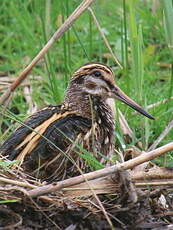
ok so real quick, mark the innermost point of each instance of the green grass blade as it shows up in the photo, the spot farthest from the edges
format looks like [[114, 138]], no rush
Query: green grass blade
[[168, 19], [136, 49]]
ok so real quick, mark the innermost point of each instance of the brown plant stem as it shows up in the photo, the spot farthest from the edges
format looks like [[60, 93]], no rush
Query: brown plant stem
[[18, 183], [154, 177], [102, 172], [167, 129], [63, 28], [104, 38]]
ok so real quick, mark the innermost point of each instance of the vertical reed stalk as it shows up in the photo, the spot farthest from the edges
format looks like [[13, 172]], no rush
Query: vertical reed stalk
[[168, 20], [136, 49], [90, 37]]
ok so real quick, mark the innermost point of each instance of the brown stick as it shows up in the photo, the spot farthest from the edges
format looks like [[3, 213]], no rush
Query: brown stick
[[102, 172], [156, 104], [127, 131], [153, 173], [64, 27], [154, 177], [18, 183], [162, 135], [105, 39]]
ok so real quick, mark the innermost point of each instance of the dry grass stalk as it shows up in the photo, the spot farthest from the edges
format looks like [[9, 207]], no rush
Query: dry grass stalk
[[162, 136], [16, 182], [102, 172], [155, 183], [5, 82], [157, 104], [104, 38], [126, 130], [154, 177], [27, 91], [153, 173], [63, 28], [108, 185]]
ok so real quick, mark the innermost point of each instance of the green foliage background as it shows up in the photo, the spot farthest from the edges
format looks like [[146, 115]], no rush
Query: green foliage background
[[139, 33]]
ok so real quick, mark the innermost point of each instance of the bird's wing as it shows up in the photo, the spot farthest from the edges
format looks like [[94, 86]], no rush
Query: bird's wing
[[61, 133], [44, 132], [10, 146]]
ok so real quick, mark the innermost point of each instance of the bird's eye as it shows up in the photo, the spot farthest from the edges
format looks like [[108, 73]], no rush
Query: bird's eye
[[97, 73]]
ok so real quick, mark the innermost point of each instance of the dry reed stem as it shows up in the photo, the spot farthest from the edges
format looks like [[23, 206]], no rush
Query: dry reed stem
[[82, 190], [18, 183], [156, 104], [126, 130], [27, 92], [104, 38], [154, 177], [162, 135], [153, 173], [154, 183], [63, 28], [102, 172]]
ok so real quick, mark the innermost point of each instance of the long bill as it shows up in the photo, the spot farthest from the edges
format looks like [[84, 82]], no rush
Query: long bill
[[121, 96]]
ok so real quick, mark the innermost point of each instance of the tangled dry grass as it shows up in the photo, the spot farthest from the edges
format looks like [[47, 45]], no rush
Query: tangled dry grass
[[137, 198]]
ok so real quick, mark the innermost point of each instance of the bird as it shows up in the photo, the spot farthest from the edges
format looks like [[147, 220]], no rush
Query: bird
[[49, 143]]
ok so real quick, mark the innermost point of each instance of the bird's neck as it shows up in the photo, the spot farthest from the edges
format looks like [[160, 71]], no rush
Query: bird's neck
[[91, 107], [100, 111]]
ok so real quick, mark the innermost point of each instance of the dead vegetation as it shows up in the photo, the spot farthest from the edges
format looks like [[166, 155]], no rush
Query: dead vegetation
[[130, 195]]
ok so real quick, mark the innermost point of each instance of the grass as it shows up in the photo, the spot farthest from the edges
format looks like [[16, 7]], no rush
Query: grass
[[139, 34]]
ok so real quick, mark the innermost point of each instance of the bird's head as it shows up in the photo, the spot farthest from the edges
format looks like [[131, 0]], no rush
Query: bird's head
[[97, 79]]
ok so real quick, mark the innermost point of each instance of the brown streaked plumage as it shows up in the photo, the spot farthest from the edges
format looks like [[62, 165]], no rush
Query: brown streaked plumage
[[84, 118]]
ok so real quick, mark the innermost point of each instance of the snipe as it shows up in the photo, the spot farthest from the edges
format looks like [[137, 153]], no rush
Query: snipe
[[46, 144]]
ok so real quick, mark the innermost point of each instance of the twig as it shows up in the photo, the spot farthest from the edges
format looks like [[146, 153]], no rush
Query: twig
[[162, 135], [102, 172], [159, 103], [104, 38], [19, 183], [27, 90], [153, 173], [154, 183], [154, 177], [64, 27], [127, 131], [156, 104]]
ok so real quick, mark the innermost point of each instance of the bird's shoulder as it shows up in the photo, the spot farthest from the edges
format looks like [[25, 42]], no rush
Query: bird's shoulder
[[28, 125], [49, 125], [61, 133]]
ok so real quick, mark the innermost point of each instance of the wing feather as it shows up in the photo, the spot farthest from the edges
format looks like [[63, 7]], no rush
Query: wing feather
[[10, 146], [60, 134], [44, 133]]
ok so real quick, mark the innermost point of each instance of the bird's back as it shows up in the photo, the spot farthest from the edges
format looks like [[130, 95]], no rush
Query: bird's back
[[44, 141]]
